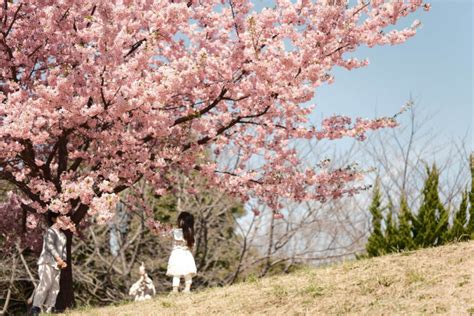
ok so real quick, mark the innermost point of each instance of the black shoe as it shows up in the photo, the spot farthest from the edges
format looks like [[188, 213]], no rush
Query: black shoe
[[35, 311]]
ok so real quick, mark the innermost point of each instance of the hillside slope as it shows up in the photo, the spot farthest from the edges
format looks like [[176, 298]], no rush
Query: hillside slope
[[430, 281]]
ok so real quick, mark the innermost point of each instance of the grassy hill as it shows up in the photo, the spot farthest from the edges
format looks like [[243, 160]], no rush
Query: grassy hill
[[429, 281]]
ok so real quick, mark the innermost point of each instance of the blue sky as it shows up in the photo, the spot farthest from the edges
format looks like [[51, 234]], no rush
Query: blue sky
[[435, 67]]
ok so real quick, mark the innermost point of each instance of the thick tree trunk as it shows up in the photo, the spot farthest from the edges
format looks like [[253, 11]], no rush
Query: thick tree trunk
[[66, 293], [65, 297]]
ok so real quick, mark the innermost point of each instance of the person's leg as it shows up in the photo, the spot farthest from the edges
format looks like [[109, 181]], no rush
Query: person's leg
[[188, 280], [175, 283], [42, 289], [53, 290]]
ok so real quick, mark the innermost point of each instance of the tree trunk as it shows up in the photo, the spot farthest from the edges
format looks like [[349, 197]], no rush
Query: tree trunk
[[268, 261], [65, 297]]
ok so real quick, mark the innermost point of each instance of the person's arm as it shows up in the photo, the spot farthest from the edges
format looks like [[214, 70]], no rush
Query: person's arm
[[51, 247], [178, 235], [49, 243], [134, 288]]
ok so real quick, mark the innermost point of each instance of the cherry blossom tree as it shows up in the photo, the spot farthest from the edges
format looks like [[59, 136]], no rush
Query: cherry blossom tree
[[97, 95]]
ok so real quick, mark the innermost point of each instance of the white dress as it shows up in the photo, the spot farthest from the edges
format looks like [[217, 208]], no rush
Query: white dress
[[181, 260]]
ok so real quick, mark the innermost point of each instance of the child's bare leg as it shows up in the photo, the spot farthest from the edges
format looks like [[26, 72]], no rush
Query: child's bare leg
[[175, 284], [188, 280]]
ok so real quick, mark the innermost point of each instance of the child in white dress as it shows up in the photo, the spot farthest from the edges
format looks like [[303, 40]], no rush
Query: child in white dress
[[181, 262]]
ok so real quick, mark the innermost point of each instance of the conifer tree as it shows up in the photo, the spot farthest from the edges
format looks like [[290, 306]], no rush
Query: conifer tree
[[405, 238], [431, 222], [391, 231], [442, 224], [376, 244], [458, 230], [470, 225]]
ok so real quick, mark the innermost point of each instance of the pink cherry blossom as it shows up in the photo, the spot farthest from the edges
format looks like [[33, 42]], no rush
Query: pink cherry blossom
[[32, 221], [65, 223], [97, 96], [14, 230], [278, 216]]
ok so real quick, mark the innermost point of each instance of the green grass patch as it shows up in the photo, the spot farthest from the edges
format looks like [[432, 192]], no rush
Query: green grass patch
[[412, 276], [279, 292], [313, 291], [167, 304]]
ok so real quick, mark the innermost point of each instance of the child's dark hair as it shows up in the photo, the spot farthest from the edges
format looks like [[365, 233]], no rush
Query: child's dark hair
[[186, 223], [50, 218]]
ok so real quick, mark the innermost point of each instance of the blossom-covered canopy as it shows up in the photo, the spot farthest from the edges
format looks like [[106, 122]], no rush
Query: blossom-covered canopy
[[97, 95]]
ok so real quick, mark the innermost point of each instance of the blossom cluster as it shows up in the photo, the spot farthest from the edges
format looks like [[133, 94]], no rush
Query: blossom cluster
[[97, 95], [16, 229]]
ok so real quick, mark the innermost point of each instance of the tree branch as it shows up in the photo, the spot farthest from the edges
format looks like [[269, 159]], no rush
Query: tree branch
[[15, 16], [202, 111]]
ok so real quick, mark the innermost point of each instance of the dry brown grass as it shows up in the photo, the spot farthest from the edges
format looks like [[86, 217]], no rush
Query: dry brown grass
[[430, 281]]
